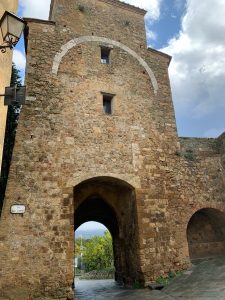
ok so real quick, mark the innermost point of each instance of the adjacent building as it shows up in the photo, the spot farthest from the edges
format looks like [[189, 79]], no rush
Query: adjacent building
[[5, 72]]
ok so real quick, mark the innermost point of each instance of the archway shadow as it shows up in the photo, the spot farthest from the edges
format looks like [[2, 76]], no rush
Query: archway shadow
[[206, 233], [112, 202]]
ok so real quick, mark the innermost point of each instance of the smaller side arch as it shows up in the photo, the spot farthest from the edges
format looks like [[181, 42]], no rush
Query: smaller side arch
[[206, 233], [84, 39]]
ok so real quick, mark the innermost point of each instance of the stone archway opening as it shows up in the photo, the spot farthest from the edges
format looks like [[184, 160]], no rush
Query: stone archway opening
[[93, 251], [112, 202], [206, 233]]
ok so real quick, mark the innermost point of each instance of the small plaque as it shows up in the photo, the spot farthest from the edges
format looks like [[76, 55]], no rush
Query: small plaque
[[18, 209]]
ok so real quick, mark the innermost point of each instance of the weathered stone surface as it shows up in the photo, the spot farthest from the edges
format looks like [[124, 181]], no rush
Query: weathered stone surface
[[128, 170]]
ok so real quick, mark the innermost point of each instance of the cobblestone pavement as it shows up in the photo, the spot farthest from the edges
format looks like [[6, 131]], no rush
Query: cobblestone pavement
[[204, 281]]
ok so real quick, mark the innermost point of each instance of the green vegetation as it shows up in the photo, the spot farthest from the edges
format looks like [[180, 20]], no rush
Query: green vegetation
[[137, 285], [81, 8], [95, 254], [165, 280], [189, 155], [15, 77], [162, 280]]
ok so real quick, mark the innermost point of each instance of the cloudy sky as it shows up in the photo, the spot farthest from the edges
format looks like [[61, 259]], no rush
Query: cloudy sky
[[193, 33]]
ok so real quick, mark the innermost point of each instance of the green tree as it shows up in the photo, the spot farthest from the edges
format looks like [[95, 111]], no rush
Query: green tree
[[98, 252], [77, 249], [15, 77]]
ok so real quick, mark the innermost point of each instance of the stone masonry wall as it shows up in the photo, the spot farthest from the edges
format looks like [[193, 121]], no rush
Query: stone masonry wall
[[221, 140], [65, 138], [202, 182]]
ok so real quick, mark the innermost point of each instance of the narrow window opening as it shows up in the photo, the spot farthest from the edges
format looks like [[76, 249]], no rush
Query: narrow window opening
[[107, 103], [105, 55]]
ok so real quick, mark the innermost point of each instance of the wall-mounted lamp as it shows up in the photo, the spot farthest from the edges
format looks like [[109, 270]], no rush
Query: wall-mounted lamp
[[11, 28], [14, 95]]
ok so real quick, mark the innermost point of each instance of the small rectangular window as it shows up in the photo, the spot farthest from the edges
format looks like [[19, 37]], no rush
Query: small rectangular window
[[107, 103], [105, 55]]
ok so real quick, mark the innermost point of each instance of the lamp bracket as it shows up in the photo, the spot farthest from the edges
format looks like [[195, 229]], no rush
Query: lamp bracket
[[3, 48]]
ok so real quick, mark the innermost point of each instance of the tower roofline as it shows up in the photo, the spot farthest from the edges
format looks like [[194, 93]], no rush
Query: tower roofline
[[125, 5], [112, 2], [169, 57]]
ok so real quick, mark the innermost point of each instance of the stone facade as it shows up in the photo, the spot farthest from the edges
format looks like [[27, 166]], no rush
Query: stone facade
[[5, 72], [129, 170]]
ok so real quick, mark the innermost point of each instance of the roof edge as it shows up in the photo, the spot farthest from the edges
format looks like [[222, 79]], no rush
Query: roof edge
[[126, 5], [33, 20], [196, 138], [169, 57]]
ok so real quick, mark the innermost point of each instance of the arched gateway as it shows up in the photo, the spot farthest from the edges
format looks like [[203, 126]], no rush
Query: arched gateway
[[112, 202]]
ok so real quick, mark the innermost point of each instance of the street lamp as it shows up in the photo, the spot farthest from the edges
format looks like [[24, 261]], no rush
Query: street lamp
[[11, 28]]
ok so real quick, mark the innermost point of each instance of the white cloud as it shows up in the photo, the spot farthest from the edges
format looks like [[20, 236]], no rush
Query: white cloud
[[35, 8], [40, 8], [197, 70], [151, 35], [152, 6], [19, 59], [178, 4]]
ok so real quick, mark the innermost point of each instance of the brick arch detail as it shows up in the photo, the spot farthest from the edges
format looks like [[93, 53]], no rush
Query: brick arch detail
[[213, 205], [133, 181], [84, 39]]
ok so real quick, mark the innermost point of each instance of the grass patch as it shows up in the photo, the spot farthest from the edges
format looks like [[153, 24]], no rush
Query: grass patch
[[166, 280], [137, 285], [80, 7]]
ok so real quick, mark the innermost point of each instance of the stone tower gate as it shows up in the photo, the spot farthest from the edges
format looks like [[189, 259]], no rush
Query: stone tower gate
[[97, 140]]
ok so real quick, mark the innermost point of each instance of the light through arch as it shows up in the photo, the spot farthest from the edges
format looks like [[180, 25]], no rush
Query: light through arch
[[94, 256]]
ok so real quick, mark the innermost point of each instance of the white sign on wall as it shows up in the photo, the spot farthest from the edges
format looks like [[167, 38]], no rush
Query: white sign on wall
[[18, 209]]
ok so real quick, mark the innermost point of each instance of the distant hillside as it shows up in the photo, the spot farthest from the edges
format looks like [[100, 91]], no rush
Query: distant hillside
[[86, 234]]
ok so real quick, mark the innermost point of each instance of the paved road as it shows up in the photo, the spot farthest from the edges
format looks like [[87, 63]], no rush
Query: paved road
[[204, 281], [107, 289]]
